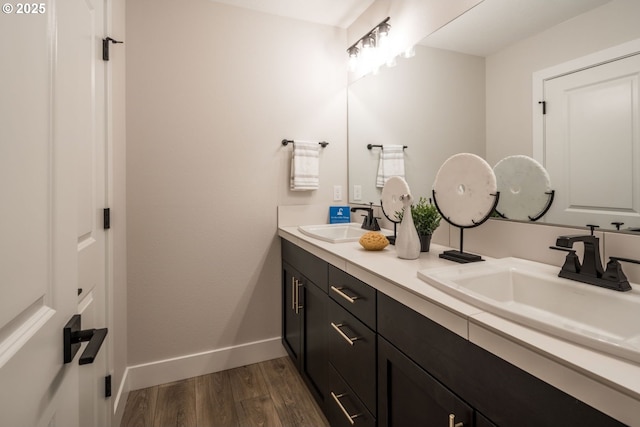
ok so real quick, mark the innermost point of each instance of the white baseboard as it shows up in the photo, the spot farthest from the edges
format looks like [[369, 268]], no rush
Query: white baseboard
[[193, 365]]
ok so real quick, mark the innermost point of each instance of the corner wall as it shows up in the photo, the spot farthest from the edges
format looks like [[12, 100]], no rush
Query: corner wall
[[211, 92]]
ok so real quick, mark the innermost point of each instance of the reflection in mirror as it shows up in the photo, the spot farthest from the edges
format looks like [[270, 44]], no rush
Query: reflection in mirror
[[434, 110], [525, 188], [437, 111]]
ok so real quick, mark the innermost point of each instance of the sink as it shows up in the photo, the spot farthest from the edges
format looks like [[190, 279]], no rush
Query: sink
[[334, 233], [533, 295]]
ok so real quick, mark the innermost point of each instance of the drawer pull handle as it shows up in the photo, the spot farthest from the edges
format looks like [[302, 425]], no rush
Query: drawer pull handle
[[342, 334], [452, 421], [338, 291], [298, 306], [293, 293], [342, 408]]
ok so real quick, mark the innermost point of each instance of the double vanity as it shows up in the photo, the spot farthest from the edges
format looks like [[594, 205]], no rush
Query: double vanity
[[390, 342]]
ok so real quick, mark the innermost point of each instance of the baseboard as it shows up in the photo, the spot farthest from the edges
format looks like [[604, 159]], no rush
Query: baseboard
[[192, 365]]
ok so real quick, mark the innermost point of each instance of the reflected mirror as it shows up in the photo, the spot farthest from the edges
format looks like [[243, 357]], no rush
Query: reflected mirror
[[469, 89]]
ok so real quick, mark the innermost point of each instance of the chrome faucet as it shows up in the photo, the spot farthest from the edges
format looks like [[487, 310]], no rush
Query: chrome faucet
[[590, 270], [370, 222]]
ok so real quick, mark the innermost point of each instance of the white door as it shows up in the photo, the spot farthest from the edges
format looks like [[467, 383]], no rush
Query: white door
[[80, 33], [592, 144], [44, 102]]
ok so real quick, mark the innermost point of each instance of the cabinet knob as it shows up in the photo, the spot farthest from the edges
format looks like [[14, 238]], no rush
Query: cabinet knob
[[452, 421]]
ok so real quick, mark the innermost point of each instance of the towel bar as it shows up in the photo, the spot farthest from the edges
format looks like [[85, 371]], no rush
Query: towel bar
[[287, 141], [370, 146]]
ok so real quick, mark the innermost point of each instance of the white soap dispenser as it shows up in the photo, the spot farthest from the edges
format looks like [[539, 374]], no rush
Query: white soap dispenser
[[407, 242]]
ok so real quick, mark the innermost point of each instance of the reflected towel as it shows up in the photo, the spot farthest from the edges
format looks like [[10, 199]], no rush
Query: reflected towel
[[391, 163], [305, 166]]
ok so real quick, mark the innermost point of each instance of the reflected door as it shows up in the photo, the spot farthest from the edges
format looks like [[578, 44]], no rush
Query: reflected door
[[592, 144]]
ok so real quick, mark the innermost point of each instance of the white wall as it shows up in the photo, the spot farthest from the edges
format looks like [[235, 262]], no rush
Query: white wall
[[211, 92], [509, 72]]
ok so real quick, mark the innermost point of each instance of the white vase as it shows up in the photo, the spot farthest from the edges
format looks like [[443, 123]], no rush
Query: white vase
[[407, 241]]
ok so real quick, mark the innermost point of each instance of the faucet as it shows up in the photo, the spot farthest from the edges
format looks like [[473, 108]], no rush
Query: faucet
[[590, 270], [591, 263], [370, 222]]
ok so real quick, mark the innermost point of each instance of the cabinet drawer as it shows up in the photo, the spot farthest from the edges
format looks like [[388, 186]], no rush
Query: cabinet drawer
[[352, 351], [344, 409], [354, 295], [313, 268]]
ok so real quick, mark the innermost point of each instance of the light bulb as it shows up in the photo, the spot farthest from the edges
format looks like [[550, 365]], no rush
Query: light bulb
[[383, 30]]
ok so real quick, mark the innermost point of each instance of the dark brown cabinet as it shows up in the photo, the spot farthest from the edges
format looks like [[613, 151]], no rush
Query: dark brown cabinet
[[351, 339], [409, 396], [291, 313], [352, 352], [304, 316], [370, 360], [499, 392]]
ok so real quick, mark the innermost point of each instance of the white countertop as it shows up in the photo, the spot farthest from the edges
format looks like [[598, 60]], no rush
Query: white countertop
[[607, 383]]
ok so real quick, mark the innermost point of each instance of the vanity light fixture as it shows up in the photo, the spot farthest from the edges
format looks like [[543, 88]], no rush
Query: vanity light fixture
[[370, 43]]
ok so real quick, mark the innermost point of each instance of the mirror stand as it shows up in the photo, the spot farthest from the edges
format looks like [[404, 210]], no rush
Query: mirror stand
[[460, 256], [391, 239], [544, 210]]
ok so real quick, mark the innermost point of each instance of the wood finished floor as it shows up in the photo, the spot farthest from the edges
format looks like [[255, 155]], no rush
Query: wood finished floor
[[269, 394]]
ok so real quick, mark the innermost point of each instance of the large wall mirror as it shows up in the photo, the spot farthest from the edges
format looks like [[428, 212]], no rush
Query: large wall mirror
[[469, 89]]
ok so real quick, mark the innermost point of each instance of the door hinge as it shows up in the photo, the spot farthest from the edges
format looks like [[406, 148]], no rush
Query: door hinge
[[107, 218], [107, 386], [544, 106], [105, 47]]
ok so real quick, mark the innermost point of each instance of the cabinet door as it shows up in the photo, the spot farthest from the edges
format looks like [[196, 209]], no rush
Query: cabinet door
[[313, 305], [409, 396], [291, 316]]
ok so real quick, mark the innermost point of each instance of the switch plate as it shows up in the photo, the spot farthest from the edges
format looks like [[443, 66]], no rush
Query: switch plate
[[357, 192], [337, 193]]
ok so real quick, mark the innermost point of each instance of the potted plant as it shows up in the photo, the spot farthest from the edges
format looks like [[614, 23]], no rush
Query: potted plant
[[426, 219]]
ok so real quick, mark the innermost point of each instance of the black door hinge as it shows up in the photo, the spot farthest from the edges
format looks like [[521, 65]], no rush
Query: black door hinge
[[544, 106], [107, 386], [107, 218]]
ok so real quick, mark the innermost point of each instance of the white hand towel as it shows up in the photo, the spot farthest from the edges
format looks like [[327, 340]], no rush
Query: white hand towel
[[391, 163], [305, 166]]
